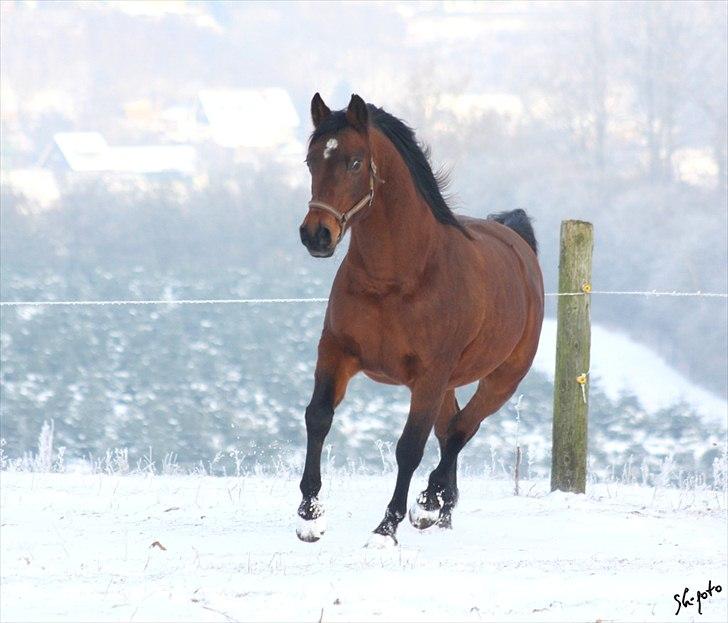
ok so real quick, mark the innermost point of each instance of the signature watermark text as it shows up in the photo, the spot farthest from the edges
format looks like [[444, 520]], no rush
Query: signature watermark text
[[686, 600]]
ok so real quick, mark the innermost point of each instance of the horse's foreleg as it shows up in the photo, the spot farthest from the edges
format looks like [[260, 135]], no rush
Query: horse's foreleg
[[424, 408], [333, 371]]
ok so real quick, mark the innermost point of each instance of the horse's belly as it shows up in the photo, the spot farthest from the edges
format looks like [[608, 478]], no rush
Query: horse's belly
[[379, 377], [387, 366], [385, 361]]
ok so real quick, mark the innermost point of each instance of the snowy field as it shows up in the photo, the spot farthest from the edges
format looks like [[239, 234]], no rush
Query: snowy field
[[193, 548]]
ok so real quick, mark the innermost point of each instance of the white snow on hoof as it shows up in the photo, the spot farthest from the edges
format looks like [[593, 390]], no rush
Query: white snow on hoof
[[380, 541], [421, 518], [312, 530]]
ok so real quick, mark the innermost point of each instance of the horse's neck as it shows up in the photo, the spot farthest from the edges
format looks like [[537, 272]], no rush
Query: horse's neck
[[392, 245]]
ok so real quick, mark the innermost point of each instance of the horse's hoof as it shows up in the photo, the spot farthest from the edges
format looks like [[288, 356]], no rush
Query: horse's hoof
[[444, 521], [421, 518], [310, 531], [381, 541]]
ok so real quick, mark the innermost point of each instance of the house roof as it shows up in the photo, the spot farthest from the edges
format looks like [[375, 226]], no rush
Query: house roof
[[89, 151], [83, 151], [153, 159], [257, 118]]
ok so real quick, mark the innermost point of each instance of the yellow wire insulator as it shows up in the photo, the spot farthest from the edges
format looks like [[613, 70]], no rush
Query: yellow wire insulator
[[581, 379], [586, 287]]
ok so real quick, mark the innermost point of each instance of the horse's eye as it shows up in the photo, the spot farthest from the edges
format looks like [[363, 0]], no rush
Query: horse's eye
[[355, 165]]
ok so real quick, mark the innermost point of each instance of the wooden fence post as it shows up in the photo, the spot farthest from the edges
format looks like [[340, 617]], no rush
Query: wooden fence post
[[573, 341]]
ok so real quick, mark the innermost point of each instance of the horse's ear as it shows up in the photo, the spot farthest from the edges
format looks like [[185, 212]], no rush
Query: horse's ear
[[319, 110], [357, 114]]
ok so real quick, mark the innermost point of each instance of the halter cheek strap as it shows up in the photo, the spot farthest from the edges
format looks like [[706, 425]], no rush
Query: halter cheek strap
[[343, 218]]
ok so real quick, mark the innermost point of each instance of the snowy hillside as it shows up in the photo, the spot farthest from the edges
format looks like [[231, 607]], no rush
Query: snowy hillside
[[207, 383], [163, 548], [620, 365]]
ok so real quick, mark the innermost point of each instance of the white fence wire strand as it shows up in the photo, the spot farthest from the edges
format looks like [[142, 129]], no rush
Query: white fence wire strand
[[162, 302], [264, 301]]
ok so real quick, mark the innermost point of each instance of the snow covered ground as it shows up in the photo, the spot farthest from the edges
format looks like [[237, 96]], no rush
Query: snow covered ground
[[621, 365], [81, 547]]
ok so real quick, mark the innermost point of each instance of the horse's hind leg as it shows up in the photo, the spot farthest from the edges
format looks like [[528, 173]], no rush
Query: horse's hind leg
[[427, 512], [434, 505]]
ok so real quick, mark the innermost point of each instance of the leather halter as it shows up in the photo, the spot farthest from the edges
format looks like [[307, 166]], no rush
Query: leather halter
[[343, 218]]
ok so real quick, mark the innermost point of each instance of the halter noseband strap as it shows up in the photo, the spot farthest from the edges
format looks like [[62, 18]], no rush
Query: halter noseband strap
[[343, 218]]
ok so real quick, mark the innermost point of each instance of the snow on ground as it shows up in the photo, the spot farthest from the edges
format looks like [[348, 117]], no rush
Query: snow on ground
[[622, 365], [80, 548]]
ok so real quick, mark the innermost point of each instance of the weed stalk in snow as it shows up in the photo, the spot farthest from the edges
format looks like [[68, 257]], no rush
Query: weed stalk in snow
[[517, 470]]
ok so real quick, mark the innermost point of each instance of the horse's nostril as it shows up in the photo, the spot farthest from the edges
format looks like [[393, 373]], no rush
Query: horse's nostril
[[324, 236], [318, 242]]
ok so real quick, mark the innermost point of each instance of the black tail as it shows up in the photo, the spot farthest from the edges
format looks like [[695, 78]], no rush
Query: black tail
[[519, 222]]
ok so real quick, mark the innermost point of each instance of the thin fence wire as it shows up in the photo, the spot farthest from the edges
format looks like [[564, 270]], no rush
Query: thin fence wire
[[266, 301]]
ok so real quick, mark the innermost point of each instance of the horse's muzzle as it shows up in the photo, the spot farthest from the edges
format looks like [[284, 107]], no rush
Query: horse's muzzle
[[320, 243]]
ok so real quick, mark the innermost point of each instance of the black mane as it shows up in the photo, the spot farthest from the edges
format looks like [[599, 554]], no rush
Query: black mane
[[429, 185]]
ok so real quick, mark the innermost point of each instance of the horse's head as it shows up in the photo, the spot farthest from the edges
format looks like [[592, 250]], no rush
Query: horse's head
[[342, 173]]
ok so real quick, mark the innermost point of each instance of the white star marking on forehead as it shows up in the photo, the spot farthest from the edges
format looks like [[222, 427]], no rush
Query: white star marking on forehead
[[331, 144]]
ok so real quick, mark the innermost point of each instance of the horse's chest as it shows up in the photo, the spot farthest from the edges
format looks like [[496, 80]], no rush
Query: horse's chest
[[387, 342]]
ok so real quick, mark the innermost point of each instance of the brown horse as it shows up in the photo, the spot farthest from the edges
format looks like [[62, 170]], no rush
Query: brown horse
[[423, 298]]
